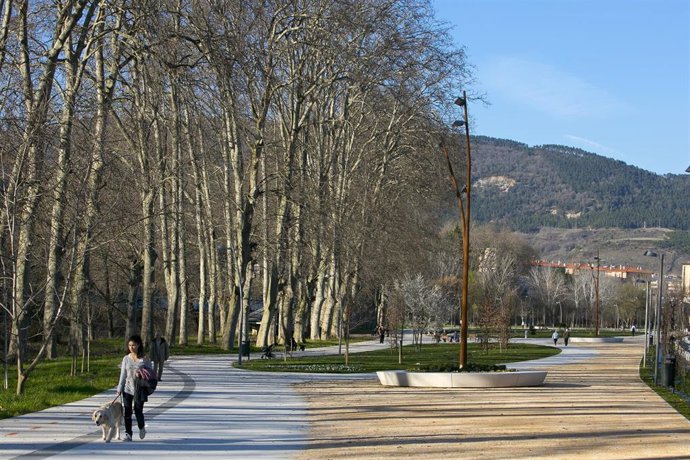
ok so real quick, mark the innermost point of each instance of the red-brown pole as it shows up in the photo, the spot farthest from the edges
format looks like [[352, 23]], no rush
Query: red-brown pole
[[465, 243]]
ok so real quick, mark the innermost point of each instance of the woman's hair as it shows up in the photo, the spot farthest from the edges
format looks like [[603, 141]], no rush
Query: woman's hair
[[140, 348]]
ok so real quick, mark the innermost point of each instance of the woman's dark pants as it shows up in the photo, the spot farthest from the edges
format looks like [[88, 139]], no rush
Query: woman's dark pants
[[138, 411]]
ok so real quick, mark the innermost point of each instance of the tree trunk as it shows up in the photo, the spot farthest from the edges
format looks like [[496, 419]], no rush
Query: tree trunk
[[327, 325], [135, 276], [170, 223], [149, 256], [182, 330], [319, 299], [269, 319]]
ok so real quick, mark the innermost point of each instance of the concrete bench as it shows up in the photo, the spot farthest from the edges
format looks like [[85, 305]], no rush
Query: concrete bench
[[462, 379]]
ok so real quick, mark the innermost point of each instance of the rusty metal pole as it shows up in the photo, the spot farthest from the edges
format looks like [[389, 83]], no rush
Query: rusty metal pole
[[465, 242], [464, 208]]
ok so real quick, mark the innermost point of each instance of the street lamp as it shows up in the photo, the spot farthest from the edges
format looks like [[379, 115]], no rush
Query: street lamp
[[243, 336], [464, 222], [657, 323], [241, 300]]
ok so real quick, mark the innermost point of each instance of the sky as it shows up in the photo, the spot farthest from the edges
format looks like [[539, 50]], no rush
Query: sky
[[611, 77]]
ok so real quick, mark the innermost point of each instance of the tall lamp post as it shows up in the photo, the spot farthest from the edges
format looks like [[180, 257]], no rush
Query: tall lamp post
[[464, 222], [241, 300], [657, 323], [243, 336]]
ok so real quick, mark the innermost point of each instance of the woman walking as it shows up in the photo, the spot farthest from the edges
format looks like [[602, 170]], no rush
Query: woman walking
[[131, 394]]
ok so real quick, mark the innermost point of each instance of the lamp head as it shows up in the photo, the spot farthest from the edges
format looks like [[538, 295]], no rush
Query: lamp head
[[460, 101], [649, 253], [458, 123], [688, 170]]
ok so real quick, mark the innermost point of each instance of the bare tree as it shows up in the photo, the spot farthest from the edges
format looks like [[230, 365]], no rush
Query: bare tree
[[423, 305], [296, 134], [23, 185], [550, 289]]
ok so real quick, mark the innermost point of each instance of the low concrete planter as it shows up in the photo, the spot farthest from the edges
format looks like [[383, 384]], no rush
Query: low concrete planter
[[597, 339], [462, 379]]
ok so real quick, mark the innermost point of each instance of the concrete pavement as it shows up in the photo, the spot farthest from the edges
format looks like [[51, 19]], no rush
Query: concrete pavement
[[592, 405]]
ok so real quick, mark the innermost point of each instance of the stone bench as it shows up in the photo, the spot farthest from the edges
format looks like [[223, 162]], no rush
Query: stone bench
[[462, 379], [596, 339]]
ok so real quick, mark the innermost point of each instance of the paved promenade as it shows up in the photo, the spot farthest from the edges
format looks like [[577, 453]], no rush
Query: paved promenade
[[593, 405], [204, 408]]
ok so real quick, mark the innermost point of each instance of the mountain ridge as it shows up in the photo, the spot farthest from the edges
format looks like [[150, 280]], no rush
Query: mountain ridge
[[527, 188], [569, 203]]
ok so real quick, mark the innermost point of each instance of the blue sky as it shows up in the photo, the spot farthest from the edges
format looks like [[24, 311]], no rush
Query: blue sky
[[611, 77]]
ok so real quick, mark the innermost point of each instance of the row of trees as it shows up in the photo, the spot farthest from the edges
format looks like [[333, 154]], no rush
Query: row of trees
[[179, 152]]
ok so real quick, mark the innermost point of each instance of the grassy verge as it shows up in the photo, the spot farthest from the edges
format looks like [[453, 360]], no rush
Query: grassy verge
[[675, 400], [51, 385], [387, 358], [546, 333]]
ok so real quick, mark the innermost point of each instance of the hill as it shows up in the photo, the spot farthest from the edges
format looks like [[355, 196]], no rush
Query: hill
[[615, 247], [528, 188], [569, 203]]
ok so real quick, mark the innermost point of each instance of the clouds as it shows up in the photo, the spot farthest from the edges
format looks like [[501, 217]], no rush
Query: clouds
[[549, 90], [589, 145]]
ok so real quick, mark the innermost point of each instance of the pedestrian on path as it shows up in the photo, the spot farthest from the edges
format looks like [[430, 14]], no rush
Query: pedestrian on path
[[131, 363], [554, 336], [566, 336], [158, 351], [382, 333], [633, 328]]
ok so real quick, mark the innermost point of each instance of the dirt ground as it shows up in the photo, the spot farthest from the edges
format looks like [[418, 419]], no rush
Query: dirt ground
[[598, 409]]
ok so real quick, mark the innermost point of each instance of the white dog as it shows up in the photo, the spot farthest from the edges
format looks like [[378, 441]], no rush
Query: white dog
[[109, 418]]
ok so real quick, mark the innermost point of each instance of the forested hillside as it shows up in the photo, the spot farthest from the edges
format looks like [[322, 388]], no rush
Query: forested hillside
[[527, 188]]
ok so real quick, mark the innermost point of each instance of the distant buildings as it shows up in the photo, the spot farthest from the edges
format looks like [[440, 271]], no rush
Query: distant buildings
[[614, 271], [629, 274]]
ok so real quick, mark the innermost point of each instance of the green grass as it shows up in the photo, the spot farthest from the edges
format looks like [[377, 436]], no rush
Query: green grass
[[51, 385], [546, 333], [443, 354], [675, 400]]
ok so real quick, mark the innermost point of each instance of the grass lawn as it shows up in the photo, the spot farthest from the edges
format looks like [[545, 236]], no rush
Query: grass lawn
[[674, 399], [442, 354], [51, 385], [546, 333]]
